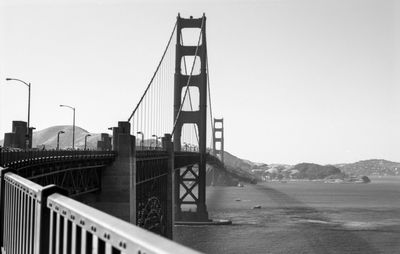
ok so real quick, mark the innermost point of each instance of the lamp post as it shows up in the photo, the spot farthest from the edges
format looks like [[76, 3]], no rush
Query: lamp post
[[73, 126], [87, 135], [142, 140], [160, 142], [27, 143], [58, 139], [156, 139]]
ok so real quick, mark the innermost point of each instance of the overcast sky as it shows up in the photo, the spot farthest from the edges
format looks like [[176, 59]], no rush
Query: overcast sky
[[295, 80]]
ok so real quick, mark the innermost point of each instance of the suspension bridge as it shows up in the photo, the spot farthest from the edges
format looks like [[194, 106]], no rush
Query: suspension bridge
[[126, 199]]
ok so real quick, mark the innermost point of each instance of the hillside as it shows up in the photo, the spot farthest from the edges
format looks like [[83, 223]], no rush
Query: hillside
[[371, 167], [235, 162], [240, 168], [314, 171], [48, 137]]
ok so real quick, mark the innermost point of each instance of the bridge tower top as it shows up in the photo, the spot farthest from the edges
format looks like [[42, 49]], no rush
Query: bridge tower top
[[186, 81], [218, 138]]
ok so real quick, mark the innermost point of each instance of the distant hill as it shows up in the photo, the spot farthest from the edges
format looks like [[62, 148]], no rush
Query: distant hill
[[314, 171], [371, 167], [48, 137], [235, 162]]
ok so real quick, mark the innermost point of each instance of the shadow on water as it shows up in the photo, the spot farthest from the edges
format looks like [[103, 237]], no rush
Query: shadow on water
[[321, 235], [285, 225]]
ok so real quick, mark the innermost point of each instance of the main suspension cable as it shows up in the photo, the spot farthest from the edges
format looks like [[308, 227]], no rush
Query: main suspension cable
[[152, 78], [209, 102]]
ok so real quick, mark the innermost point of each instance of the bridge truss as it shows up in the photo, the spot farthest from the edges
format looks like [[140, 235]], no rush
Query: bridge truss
[[78, 172]]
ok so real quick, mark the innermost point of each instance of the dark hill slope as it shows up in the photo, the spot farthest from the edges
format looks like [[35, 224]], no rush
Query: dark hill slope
[[237, 168], [314, 171], [237, 163]]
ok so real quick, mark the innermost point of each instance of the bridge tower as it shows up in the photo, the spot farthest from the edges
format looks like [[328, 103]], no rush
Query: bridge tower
[[192, 181], [218, 138]]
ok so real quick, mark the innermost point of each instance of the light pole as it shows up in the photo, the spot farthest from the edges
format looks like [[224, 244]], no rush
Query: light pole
[[156, 139], [73, 126], [160, 142], [87, 135], [142, 140], [27, 143], [58, 139]]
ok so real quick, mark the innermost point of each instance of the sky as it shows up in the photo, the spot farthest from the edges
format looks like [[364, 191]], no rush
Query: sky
[[295, 80]]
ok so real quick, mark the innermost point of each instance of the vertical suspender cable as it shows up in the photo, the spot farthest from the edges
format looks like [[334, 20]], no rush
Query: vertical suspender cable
[[209, 102], [152, 78]]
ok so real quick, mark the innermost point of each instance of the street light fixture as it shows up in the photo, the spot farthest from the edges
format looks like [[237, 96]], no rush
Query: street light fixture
[[87, 135], [160, 138], [58, 139], [27, 143], [73, 126], [156, 139], [142, 140]]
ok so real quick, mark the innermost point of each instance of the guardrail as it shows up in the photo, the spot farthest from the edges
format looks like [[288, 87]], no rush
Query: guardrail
[[22, 212], [25, 158], [40, 220], [77, 228]]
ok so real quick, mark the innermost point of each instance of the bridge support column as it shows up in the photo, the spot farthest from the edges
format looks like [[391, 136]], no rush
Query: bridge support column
[[169, 147], [118, 192], [197, 117]]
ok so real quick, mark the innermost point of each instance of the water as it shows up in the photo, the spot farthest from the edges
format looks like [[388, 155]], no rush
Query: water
[[301, 217]]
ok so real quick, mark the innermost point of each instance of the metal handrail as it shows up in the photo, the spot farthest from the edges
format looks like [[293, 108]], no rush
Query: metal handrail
[[105, 231], [21, 196], [22, 212], [9, 158], [37, 219]]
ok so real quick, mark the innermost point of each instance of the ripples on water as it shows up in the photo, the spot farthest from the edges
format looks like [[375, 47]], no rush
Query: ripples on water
[[301, 217]]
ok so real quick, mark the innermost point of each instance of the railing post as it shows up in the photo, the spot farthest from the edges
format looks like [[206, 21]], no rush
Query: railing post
[[3, 171], [42, 222], [169, 147]]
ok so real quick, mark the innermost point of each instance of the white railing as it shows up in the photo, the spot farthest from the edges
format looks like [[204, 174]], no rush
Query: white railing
[[22, 214], [75, 226], [40, 220]]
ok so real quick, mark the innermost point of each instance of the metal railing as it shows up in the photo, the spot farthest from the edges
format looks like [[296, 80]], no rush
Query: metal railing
[[25, 158], [40, 220], [22, 213], [21, 203], [77, 228]]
